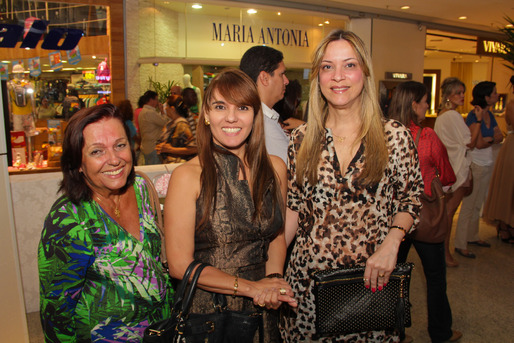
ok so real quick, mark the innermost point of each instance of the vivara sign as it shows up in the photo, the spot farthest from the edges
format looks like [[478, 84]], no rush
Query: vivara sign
[[10, 34]]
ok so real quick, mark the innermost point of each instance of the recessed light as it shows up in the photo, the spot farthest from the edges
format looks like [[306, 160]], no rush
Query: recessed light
[[93, 57], [327, 22], [251, 11], [197, 6], [463, 17], [320, 24], [278, 13], [509, 25], [405, 7]]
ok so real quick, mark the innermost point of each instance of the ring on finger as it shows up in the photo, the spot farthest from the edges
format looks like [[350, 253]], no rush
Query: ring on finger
[[282, 291], [381, 275], [364, 279], [262, 305]]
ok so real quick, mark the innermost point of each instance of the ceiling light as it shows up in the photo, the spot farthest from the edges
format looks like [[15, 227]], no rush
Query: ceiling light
[[93, 57], [320, 24], [278, 13], [27, 48], [251, 11], [327, 22], [197, 6], [463, 17], [6, 61], [405, 7], [509, 25]]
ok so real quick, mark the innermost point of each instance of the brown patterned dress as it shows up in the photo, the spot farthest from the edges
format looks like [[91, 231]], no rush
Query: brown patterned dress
[[234, 243], [341, 223]]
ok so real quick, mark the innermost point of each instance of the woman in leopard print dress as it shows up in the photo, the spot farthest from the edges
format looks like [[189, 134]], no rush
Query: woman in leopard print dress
[[353, 203]]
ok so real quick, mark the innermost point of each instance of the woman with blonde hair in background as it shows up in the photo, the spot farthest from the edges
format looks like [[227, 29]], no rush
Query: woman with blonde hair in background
[[458, 138]]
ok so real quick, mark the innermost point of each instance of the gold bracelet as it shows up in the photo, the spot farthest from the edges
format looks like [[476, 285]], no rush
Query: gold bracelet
[[399, 228], [236, 284]]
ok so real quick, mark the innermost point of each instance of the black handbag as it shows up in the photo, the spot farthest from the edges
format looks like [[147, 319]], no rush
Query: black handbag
[[221, 326], [344, 305]]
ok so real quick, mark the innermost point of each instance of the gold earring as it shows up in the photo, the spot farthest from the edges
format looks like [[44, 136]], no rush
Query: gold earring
[[207, 122]]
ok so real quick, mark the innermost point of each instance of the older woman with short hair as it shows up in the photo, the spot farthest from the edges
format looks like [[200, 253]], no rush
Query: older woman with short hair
[[101, 277]]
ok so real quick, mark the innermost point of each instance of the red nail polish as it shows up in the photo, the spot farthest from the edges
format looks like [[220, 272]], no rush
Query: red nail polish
[[385, 284], [379, 288], [367, 286], [373, 290]]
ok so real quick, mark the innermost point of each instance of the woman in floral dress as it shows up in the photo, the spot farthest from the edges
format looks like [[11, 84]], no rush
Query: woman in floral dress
[[354, 185], [101, 277]]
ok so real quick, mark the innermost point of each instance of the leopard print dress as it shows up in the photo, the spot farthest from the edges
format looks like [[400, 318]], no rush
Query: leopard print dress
[[341, 223]]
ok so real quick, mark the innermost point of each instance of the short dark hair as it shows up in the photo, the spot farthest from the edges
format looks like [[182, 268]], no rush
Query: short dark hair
[[126, 110], [149, 95], [287, 107], [480, 91], [260, 58], [73, 184]]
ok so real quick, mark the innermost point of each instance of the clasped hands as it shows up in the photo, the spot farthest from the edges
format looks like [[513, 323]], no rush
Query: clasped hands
[[272, 292]]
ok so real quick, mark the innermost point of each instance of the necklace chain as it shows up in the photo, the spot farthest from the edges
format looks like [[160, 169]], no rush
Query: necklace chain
[[116, 208], [340, 139]]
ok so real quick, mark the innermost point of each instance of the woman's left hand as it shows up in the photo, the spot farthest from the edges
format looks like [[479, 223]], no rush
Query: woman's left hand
[[382, 263]]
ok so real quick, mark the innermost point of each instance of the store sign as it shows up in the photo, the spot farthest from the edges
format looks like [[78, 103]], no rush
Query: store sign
[[398, 76], [490, 47], [263, 35], [10, 35]]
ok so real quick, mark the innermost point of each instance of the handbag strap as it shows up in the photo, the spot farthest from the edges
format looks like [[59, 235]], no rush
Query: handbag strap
[[188, 297], [181, 289], [156, 205]]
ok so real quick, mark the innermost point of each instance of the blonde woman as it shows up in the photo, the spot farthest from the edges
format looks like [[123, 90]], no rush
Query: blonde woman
[[354, 184], [458, 138]]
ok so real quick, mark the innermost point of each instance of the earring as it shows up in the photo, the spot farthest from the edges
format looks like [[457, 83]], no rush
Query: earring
[[207, 122], [448, 104]]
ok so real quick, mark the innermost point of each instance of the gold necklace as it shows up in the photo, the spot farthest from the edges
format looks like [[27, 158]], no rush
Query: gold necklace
[[340, 139], [116, 209]]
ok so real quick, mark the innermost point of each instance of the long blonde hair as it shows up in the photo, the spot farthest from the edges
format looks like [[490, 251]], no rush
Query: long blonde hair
[[372, 127]]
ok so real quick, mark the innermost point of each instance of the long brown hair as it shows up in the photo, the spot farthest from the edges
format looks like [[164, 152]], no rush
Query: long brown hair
[[237, 88], [372, 128], [401, 105]]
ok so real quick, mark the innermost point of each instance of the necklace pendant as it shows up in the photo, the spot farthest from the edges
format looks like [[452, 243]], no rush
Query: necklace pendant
[[117, 212]]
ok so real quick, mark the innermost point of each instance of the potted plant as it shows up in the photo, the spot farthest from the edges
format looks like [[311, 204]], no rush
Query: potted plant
[[161, 88], [509, 43]]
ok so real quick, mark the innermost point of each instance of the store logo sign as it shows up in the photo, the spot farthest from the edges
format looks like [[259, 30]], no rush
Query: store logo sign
[[264, 35], [491, 47], [10, 35]]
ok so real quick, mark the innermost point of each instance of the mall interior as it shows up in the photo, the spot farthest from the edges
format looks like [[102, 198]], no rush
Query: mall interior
[[127, 47]]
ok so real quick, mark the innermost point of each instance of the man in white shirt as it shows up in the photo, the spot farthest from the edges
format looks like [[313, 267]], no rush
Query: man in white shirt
[[266, 67]]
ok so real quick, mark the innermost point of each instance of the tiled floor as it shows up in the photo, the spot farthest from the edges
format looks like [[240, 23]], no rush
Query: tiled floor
[[481, 294]]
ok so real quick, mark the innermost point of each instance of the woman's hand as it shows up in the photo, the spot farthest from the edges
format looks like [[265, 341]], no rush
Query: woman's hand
[[382, 263], [272, 292]]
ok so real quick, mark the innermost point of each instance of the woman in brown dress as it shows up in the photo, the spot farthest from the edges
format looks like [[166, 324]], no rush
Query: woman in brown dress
[[225, 207]]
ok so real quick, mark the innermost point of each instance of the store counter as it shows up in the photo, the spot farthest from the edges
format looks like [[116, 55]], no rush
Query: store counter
[[32, 197]]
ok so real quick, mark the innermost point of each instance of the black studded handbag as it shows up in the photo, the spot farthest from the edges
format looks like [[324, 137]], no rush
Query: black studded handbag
[[344, 305]]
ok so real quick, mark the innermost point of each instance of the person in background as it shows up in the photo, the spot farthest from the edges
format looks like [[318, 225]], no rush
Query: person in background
[[482, 161], [45, 110], [71, 104], [191, 101], [128, 116], [100, 272], [354, 184], [175, 90], [177, 143], [266, 68], [288, 106], [452, 130], [225, 206], [151, 124], [408, 106], [137, 111], [499, 205]]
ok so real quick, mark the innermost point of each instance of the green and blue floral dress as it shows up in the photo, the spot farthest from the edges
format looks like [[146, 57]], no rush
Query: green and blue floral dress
[[98, 283]]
